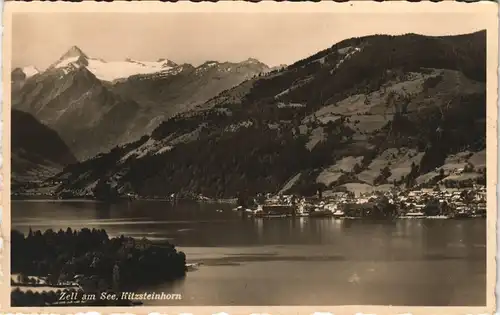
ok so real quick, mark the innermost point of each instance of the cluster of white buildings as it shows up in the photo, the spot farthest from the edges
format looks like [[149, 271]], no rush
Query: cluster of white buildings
[[471, 200], [414, 201]]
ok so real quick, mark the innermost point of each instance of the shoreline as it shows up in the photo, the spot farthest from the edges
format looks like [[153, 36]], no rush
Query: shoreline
[[45, 199], [57, 200], [402, 217]]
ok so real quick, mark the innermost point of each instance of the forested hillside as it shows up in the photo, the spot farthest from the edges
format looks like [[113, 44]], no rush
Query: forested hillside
[[367, 113]]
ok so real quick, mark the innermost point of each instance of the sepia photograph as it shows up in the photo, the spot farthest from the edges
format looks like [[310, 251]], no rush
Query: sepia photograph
[[274, 156]]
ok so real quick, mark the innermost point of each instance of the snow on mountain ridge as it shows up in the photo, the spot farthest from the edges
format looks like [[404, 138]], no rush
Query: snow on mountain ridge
[[166, 72], [30, 71], [113, 70], [110, 70]]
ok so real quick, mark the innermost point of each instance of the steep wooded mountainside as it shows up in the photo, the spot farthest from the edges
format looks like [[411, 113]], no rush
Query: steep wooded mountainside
[[367, 113], [37, 151]]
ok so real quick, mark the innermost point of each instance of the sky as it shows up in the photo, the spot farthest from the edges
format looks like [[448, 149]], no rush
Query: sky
[[39, 39]]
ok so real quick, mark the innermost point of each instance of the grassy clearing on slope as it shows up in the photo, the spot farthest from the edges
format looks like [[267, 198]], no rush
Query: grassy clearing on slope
[[368, 113], [427, 177], [478, 159], [327, 177], [290, 183], [317, 135], [358, 188], [402, 167], [368, 123], [455, 162], [333, 173], [462, 177], [347, 163], [398, 160], [459, 161]]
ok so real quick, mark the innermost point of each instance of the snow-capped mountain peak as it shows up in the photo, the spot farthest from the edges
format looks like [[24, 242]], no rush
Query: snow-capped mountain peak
[[167, 62], [72, 59], [110, 71], [71, 56], [73, 52]]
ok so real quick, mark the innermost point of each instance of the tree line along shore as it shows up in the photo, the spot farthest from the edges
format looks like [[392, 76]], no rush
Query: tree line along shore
[[45, 264]]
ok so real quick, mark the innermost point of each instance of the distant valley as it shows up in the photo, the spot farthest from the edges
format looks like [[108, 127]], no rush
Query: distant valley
[[37, 152]]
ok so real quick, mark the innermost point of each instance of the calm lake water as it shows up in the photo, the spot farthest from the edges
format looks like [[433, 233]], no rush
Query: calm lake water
[[302, 261]]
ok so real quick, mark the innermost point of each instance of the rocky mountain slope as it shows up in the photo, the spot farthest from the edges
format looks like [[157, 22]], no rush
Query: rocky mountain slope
[[37, 151], [95, 105], [367, 113], [182, 88], [79, 107], [20, 75]]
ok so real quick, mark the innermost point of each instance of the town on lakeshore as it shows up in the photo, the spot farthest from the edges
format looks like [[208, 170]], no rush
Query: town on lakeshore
[[439, 202], [433, 203]]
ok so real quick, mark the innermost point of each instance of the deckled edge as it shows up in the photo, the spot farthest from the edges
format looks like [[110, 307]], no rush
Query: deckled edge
[[5, 188]]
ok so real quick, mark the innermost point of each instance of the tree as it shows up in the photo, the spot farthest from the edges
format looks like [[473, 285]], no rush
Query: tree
[[320, 192], [467, 196], [382, 177], [386, 172], [432, 207], [357, 168], [24, 278], [410, 178], [469, 168], [389, 210], [441, 173]]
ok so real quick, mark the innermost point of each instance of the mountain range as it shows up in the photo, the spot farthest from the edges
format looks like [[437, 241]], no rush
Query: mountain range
[[95, 105], [367, 113]]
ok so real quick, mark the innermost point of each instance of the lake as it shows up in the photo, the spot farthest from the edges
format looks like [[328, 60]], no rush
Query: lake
[[301, 261]]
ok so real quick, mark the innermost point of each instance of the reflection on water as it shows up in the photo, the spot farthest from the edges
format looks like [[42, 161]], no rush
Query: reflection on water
[[260, 229], [302, 261]]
